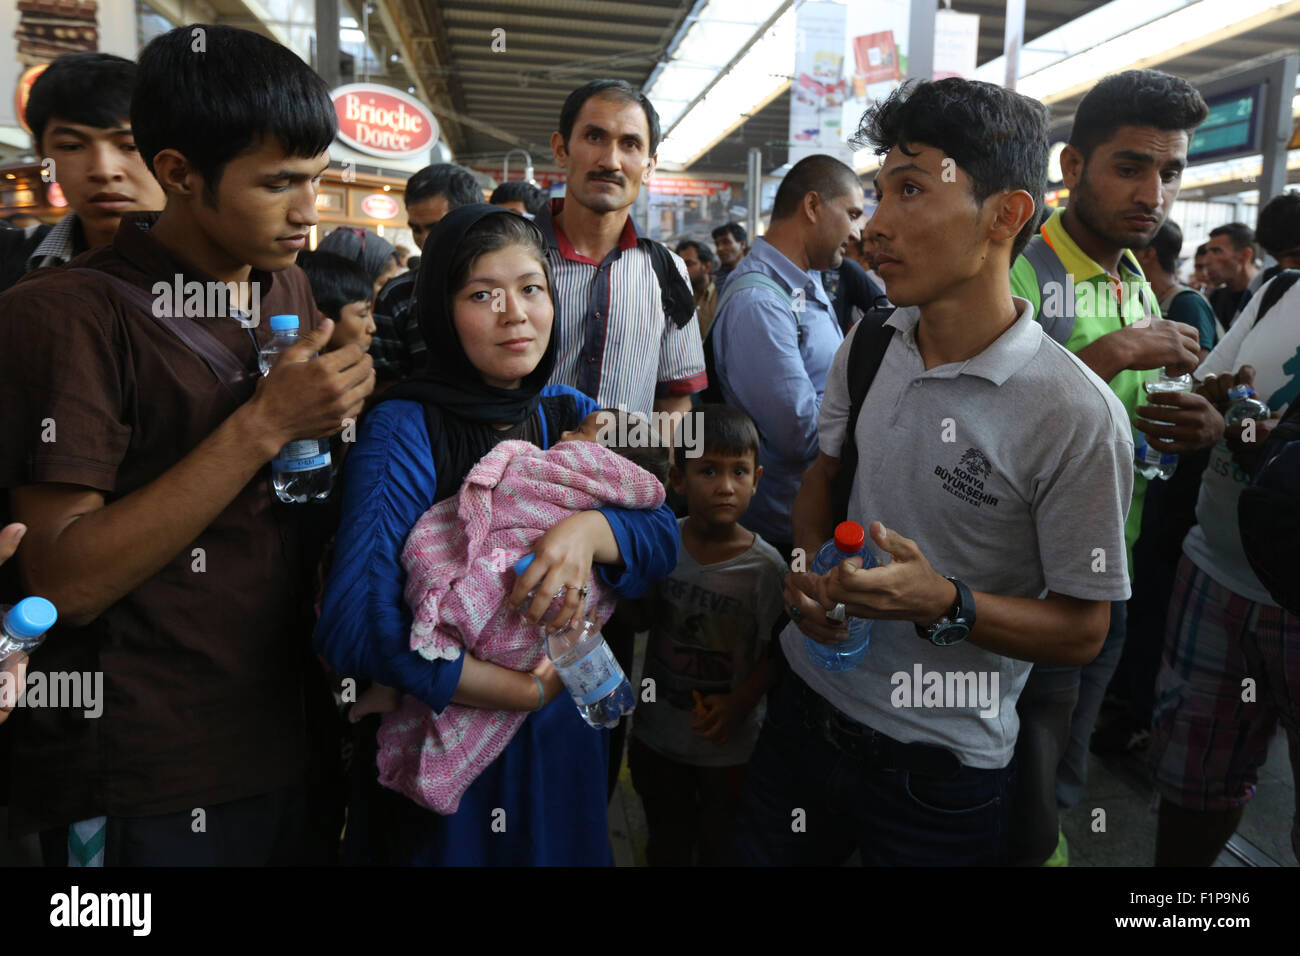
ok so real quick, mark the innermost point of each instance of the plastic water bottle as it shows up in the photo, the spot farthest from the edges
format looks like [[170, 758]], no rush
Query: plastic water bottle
[[586, 665], [301, 471], [23, 626], [1245, 405], [1148, 459], [849, 542]]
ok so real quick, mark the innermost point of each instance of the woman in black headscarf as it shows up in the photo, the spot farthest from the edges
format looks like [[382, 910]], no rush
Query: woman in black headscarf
[[485, 306]]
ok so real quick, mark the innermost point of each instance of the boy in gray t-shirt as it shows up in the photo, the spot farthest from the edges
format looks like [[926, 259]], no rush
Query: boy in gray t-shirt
[[708, 653], [994, 471]]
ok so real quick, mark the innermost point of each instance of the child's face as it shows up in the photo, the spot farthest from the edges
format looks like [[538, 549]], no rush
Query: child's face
[[589, 429], [717, 487], [356, 323]]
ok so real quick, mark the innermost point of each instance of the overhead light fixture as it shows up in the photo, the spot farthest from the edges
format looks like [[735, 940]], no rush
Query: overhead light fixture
[[698, 60], [1124, 35]]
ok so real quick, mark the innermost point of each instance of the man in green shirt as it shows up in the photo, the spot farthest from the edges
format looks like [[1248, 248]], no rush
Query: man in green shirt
[[1122, 167]]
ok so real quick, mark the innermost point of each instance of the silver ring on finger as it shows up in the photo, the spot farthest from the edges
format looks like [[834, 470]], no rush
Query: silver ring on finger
[[837, 613]]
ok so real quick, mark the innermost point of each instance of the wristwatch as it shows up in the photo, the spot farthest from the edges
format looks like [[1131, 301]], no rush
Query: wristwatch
[[953, 627]]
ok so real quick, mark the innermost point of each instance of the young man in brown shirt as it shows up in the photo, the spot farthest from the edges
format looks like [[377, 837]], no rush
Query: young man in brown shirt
[[139, 463]]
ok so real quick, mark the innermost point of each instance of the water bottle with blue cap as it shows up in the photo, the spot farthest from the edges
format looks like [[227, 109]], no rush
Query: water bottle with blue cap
[[585, 664], [23, 626], [301, 471]]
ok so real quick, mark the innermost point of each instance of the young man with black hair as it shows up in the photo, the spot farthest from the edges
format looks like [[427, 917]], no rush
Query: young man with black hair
[[79, 114], [1230, 265], [521, 197], [141, 436], [732, 243], [1200, 281], [1123, 166], [1225, 632], [700, 262], [397, 347], [776, 330], [894, 758]]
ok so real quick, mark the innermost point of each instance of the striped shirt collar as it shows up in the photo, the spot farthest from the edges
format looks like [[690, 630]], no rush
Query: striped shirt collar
[[556, 239], [59, 245]]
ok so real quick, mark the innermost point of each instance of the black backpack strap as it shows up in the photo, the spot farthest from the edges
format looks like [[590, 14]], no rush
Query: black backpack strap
[[870, 342], [678, 299], [223, 363], [1274, 289]]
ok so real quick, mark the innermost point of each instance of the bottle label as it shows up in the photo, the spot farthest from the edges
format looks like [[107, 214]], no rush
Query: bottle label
[[302, 455], [1148, 455], [594, 677]]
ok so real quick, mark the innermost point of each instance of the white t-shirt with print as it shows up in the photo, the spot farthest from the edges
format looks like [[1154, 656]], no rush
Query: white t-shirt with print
[[1214, 544]]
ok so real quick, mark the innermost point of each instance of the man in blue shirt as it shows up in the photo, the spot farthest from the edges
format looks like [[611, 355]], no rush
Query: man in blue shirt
[[776, 332]]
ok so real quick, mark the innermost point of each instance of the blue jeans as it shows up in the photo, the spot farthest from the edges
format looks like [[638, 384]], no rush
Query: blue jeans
[[807, 802]]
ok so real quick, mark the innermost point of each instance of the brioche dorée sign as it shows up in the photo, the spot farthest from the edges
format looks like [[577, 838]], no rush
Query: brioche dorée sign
[[382, 121]]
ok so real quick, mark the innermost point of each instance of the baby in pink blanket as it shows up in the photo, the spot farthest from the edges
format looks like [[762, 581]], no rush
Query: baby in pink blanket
[[458, 560]]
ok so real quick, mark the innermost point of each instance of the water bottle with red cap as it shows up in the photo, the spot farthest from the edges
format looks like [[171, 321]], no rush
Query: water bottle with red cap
[[850, 541]]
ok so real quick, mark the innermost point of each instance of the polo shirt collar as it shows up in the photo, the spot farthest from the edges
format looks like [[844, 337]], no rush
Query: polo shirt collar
[[1077, 262], [557, 240], [1008, 354], [790, 274], [134, 243]]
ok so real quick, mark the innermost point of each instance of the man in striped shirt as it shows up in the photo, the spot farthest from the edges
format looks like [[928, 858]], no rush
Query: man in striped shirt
[[626, 328], [625, 324]]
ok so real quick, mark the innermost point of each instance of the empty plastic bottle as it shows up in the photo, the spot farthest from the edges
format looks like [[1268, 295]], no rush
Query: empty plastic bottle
[[849, 542], [301, 471], [586, 665], [23, 626], [1148, 459]]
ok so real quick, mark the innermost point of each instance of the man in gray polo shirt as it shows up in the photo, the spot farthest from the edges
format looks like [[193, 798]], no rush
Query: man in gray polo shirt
[[994, 474]]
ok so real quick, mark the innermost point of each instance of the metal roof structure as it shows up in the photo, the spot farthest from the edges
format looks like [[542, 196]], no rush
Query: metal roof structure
[[496, 71]]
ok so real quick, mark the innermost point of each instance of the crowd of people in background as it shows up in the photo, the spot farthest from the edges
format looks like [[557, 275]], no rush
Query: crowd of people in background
[[960, 370]]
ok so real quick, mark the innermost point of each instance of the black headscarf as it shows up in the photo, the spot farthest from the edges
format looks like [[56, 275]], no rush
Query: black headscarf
[[460, 408]]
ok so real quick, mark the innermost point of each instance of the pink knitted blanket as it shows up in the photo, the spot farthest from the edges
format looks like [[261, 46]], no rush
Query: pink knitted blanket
[[459, 562]]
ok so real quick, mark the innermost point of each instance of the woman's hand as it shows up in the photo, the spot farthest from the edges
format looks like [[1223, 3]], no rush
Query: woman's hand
[[550, 678], [562, 566]]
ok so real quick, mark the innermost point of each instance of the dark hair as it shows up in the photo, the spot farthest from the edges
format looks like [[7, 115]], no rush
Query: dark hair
[[1167, 243], [1135, 98], [1239, 234], [489, 234], [736, 231], [213, 103], [454, 182], [336, 281], [726, 430], [824, 175], [361, 246], [702, 251], [1201, 250], [534, 199], [611, 89], [1278, 226], [998, 137], [651, 455], [92, 89]]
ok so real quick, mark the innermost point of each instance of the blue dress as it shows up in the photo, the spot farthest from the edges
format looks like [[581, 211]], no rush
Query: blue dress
[[543, 801]]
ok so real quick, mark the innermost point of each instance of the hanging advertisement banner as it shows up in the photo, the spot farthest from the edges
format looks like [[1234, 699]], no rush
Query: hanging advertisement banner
[[956, 44], [820, 86]]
